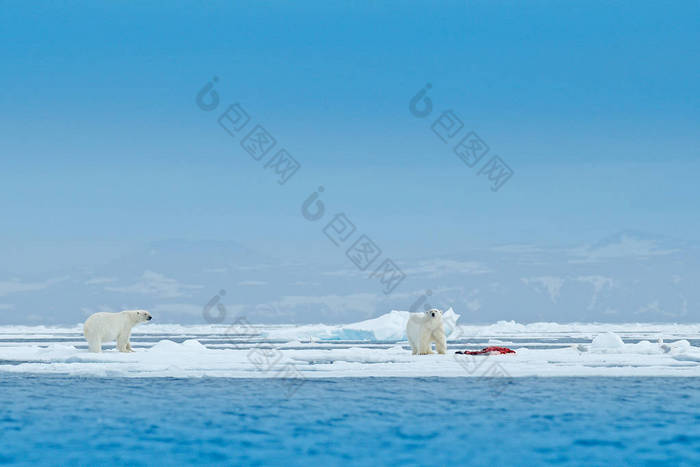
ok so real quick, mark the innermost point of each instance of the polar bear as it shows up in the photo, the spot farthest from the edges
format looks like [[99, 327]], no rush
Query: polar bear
[[107, 327], [423, 329]]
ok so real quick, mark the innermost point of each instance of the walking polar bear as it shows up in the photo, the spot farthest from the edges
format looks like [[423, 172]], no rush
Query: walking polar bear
[[109, 327], [423, 329]]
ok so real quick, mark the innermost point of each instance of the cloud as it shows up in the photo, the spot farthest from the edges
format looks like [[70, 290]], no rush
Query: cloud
[[100, 280], [652, 307], [426, 268], [622, 246], [157, 285], [550, 284], [276, 265], [216, 270], [365, 303], [518, 248], [180, 308], [655, 308], [599, 283], [345, 273], [473, 305], [193, 309], [303, 283], [251, 283], [17, 286], [414, 294], [100, 308], [442, 267]]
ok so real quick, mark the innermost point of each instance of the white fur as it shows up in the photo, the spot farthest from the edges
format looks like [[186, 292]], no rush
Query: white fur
[[109, 327], [423, 329]]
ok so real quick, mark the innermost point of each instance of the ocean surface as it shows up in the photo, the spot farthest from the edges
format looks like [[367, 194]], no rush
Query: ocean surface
[[68, 420]]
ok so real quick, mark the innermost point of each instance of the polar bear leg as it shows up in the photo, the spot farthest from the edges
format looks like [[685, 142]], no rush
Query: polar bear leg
[[425, 344], [128, 342], [123, 341], [440, 342], [414, 347], [94, 345]]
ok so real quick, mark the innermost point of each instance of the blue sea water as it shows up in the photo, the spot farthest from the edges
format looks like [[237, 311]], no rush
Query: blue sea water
[[57, 420]]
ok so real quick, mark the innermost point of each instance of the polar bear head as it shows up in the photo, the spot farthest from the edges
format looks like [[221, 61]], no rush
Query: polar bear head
[[139, 316], [433, 318]]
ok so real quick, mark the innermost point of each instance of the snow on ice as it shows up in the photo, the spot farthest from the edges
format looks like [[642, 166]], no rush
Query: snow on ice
[[375, 347]]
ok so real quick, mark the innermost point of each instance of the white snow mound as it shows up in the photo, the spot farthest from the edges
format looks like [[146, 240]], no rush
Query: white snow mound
[[607, 342]]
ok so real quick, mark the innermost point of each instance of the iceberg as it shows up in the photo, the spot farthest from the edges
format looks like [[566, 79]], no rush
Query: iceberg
[[607, 342], [387, 327]]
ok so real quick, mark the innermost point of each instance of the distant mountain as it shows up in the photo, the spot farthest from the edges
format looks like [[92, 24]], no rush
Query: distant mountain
[[628, 276]]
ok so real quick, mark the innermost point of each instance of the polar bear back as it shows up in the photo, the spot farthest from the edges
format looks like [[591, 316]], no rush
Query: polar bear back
[[105, 326], [413, 327], [108, 326]]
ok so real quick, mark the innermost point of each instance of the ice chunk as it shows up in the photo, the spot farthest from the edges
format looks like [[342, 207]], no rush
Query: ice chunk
[[387, 327], [681, 346], [168, 346], [607, 342]]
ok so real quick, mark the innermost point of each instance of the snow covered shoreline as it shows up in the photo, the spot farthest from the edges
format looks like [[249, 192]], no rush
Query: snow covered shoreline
[[372, 348]]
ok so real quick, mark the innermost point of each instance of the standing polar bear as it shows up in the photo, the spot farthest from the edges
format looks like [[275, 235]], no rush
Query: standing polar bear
[[423, 329], [108, 327]]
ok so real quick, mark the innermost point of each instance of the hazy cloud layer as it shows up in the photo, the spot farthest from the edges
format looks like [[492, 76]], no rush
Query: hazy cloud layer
[[645, 279]]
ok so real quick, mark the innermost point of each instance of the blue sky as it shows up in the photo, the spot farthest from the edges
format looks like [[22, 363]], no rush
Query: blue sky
[[592, 104]]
